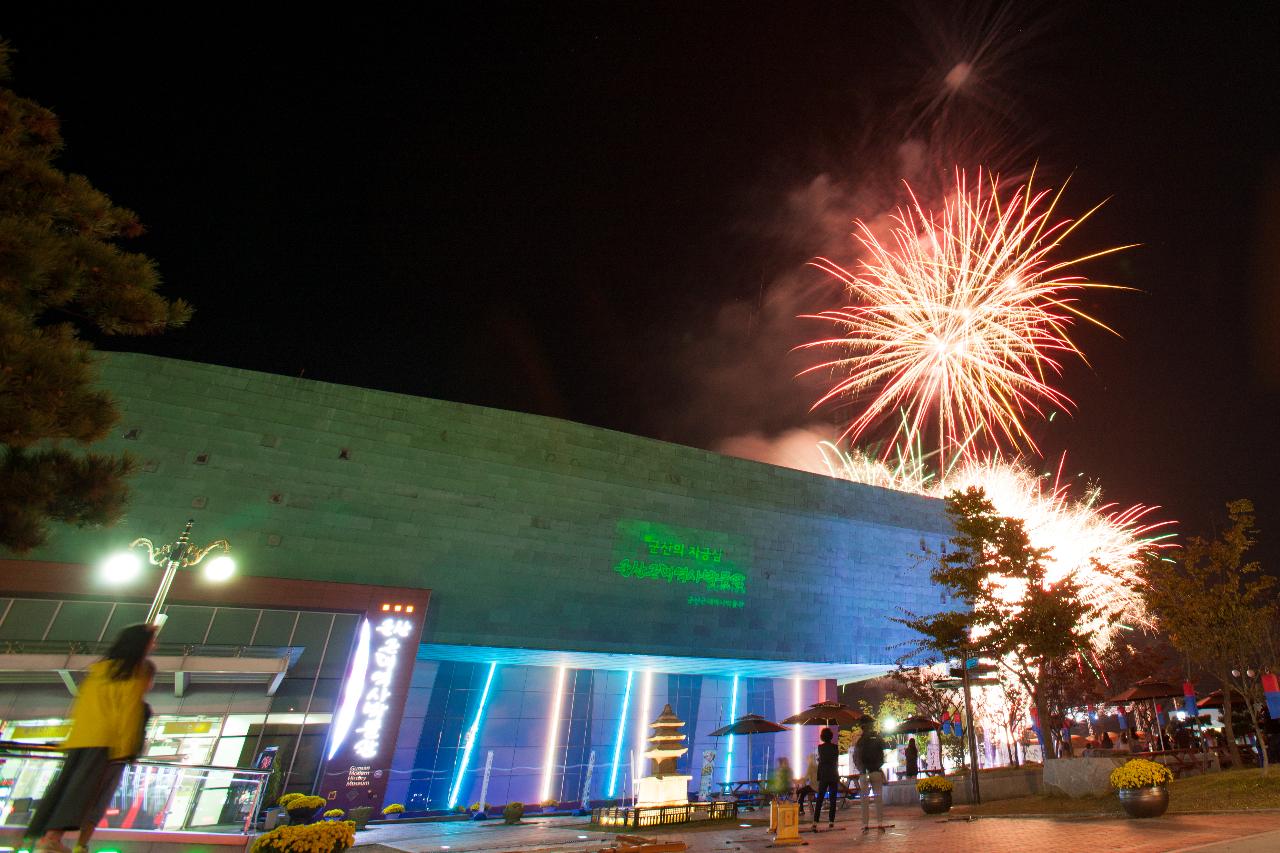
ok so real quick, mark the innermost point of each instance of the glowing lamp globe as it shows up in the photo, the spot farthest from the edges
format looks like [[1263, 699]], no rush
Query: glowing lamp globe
[[890, 724], [122, 567], [220, 569]]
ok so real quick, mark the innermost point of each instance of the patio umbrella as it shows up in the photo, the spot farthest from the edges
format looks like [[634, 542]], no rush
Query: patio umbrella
[[749, 724], [916, 725], [825, 714], [1148, 689], [833, 714]]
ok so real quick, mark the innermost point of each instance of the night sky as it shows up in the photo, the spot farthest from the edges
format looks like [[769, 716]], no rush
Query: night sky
[[601, 211]]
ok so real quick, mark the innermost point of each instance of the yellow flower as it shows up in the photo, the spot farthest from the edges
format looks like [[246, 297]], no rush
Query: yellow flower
[[933, 784], [394, 808], [307, 838], [1140, 773]]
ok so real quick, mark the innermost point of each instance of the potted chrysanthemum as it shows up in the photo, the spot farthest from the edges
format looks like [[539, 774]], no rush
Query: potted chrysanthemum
[[935, 794], [1140, 785], [302, 808], [334, 814], [328, 836], [393, 811]]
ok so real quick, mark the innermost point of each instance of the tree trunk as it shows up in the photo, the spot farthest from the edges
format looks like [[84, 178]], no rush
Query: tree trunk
[[1228, 730], [1046, 734], [1259, 736], [1011, 744]]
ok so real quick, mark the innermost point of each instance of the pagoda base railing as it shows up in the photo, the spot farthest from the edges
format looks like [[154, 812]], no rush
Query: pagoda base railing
[[639, 816]]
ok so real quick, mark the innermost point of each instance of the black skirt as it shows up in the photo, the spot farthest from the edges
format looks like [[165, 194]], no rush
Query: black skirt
[[80, 795]]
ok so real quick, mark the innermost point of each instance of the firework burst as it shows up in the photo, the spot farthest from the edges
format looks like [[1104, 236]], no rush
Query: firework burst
[[1099, 545], [959, 319]]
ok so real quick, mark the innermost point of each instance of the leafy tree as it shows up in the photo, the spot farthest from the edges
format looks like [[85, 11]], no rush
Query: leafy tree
[[61, 272], [1014, 614], [1220, 612]]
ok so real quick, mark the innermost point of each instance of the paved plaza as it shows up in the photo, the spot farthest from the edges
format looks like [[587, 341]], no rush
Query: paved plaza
[[1217, 833]]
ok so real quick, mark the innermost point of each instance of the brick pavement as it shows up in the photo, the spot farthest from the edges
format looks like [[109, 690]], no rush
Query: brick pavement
[[912, 832]]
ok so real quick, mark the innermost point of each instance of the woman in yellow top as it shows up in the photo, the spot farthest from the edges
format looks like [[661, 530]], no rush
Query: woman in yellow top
[[107, 726]]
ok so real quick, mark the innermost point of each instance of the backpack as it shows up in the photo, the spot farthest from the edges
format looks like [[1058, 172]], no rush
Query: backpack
[[871, 751]]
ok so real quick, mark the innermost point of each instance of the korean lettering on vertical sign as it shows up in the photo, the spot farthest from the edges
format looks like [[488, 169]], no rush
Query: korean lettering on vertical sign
[[382, 674]]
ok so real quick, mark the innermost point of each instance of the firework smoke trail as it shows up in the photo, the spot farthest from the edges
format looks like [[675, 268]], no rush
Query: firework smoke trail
[[960, 318], [1100, 545]]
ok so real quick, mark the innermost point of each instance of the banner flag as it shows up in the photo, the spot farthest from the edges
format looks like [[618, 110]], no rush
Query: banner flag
[[1189, 699]]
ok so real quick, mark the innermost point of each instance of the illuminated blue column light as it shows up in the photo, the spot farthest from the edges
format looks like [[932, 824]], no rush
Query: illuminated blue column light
[[470, 741], [553, 736], [795, 730], [622, 734], [733, 715]]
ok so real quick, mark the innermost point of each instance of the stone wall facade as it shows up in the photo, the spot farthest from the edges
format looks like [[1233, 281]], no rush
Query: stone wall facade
[[531, 532]]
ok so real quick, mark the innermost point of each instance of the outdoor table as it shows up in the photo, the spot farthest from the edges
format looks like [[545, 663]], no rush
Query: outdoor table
[[746, 790]]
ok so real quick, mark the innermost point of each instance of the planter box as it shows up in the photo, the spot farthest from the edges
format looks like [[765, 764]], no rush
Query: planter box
[[1081, 777], [995, 785]]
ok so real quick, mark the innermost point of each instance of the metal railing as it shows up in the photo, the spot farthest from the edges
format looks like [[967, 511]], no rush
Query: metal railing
[[152, 795], [638, 816], [79, 647]]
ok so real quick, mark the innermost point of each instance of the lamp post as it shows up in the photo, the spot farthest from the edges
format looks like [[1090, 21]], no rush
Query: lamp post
[[1248, 678], [173, 556]]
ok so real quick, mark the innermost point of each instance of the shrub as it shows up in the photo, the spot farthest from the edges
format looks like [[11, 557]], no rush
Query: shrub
[[334, 813], [394, 808], [480, 807], [512, 812], [1140, 773], [934, 785], [309, 838]]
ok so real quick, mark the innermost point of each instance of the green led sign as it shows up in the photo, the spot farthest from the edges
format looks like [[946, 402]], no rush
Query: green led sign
[[681, 556], [706, 601]]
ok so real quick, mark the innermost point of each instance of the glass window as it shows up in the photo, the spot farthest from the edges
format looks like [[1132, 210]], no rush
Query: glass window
[[232, 626], [124, 616], [80, 620], [311, 633], [275, 628], [27, 619], [238, 724], [185, 624], [340, 643], [292, 696], [182, 739]]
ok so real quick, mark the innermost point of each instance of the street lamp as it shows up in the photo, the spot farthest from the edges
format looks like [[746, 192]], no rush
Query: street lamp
[[125, 566]]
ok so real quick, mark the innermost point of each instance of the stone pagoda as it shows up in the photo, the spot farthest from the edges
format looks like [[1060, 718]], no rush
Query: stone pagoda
[[664, 787]]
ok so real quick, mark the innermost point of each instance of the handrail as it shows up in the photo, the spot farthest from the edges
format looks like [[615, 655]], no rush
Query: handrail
[[80, 647], [42, 751], [33, 747], [252, 771], [187, 785]]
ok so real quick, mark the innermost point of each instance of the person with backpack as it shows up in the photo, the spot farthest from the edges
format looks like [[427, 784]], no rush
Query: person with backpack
[[870, 760], [828, 777]]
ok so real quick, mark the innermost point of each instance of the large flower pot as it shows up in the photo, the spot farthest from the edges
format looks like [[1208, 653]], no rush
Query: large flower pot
[[298, 817], [1144, 802], [935, 802]]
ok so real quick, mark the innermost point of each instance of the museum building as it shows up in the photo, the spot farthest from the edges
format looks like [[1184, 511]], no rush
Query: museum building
[[438, 604]]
